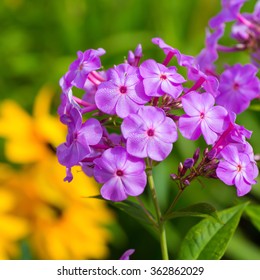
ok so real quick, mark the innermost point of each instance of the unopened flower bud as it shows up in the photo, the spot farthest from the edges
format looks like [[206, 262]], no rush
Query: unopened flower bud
[[173, 176], [138, 51], [188, 163], [186, 182], [196, 155], [131, 58]]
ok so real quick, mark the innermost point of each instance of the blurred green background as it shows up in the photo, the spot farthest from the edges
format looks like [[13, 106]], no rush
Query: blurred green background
[[38, 41]]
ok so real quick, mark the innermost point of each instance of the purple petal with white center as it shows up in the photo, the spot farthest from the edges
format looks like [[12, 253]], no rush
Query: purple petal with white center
[[114, 190], [134, 166], [101, 174], [106, 97], [149, 69], [209, 135], [134, 185], [125, 106], [190, 127], [168, 131], [90, 132], [132, 124], [216, 118], [151, 116], [137, 145], [152, 87], [158, 150], [192, 103], [225, 173], [243, 187]]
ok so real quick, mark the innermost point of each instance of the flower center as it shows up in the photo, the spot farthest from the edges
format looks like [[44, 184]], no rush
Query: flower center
[[150, 132], [239, 168], [202, 115], [236, 86], [163, 77], [123, 89], [119, 173]]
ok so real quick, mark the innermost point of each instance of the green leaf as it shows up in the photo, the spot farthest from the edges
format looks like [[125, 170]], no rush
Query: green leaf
[[197, 210], [134, 210], [253, 212], [209, 239]]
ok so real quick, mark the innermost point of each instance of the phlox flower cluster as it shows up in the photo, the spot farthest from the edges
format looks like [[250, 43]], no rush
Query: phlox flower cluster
[[131, 113]]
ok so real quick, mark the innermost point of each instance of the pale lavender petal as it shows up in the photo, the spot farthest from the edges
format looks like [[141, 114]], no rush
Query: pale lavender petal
[[158, 150], [225, 174], [106, 98], [149, 68], [101, 174], [209, 135], [190, 127], [152, 86], [91, 132], [114, 190], [152, 116], [134, 166], [192, 103], [167, 131], [243, 187], [134, 184], [137, 145], [216, 118], [132, 124], [125, 106]]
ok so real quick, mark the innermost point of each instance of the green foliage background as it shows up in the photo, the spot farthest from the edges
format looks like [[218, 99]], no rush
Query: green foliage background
[[38, 41]]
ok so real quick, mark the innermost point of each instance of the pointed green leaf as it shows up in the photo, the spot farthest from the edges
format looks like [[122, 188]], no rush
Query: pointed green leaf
[[197, 210], [253, 212], [209, 239], [134, 210]]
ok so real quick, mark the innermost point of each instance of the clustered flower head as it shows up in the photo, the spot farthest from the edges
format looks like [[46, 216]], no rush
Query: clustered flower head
[[130, 115]]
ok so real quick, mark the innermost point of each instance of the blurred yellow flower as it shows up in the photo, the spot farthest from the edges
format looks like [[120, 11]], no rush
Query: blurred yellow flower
[[64, 223], [12, 227]]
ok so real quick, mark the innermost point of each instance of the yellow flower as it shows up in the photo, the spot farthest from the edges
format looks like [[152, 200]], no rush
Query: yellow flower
[[12, 227], [64, 223]]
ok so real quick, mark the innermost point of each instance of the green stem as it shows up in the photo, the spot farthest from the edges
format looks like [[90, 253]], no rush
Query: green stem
[[162, 232]]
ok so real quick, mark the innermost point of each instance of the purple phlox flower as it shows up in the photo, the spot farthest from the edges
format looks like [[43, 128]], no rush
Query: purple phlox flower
[[229, 12], [201, 117], [149, 133], [79, 70], [238, 86], [236, 169], [80, 137], [122, 174], [209, 54], [159, 79], [123, 93], [127, 254]]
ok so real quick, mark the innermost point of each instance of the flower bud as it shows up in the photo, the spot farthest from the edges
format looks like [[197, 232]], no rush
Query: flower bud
[[188, 163], [196, 155]]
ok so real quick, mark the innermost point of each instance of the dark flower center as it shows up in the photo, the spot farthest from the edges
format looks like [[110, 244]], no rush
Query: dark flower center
[[150, 132], [236, 86], [239, 168], [163, 77], [119, 173], [202, 115], [123, 89]]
